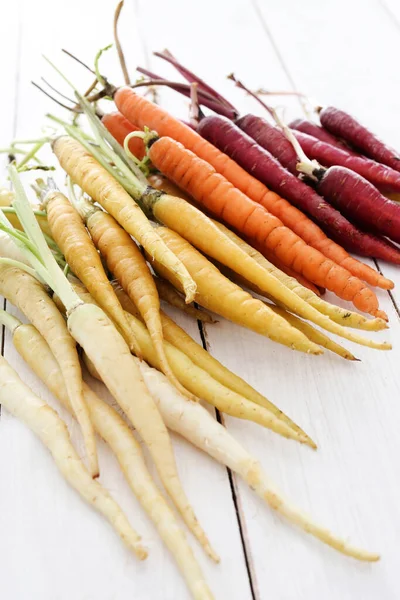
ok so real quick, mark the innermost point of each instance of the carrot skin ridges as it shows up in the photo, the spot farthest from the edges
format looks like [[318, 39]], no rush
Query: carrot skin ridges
[[381, 176], [343, 125], [119, 127], [305, 198], [361, 201], [321, 134]]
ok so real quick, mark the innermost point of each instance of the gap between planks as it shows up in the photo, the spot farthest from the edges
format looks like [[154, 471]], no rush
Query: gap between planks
[[251, 572]]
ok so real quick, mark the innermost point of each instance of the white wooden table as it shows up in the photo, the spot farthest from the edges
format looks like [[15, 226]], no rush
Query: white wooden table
[[54, 547]]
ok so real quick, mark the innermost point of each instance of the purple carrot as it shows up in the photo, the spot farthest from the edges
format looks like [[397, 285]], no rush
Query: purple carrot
[[226, 136], [192, 78], [360, 200], [383, 177], [205, 99], [343, 125], [347, 191], [320, 133]]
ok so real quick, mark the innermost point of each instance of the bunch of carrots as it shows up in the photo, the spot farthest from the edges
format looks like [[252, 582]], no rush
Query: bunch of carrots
[[155, 209]]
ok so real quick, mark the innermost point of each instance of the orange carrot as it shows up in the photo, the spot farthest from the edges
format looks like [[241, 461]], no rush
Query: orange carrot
[[120, 127], [229, 204], [282, 267], [142, 112]]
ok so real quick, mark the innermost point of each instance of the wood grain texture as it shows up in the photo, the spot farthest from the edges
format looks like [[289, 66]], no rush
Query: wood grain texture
[[352, 410]]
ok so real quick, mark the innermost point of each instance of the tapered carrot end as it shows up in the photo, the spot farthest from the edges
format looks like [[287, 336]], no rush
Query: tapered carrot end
[[380, 314], [385, 284], [309, 442]]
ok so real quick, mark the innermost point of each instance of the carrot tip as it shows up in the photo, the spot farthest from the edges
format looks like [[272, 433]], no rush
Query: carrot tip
[[381, 315]]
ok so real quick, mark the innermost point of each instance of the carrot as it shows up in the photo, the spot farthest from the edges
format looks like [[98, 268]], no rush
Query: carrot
[[127, 264], [159, 182], [206, 387], [212, 285], [321, 134], [195, 424], [176, 336], [117, 434], [270, 256], [6, 200], [104, 189], [21, 402], [27, 294], [96, 334], [359, 199], [120, 127], [313, 334], [216, 241], [216, 293], [381, 176], [252, 220], [336, 313], [169, 294], [141, 112], [162, 205], [259, 160], [72, 238], [343, 125]]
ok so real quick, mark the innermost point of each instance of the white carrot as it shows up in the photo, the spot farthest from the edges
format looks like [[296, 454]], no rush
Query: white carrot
[[26, 293], [194, 423], [113, 429], [21, 402]]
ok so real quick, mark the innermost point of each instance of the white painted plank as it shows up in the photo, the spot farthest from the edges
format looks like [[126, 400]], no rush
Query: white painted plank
[[46, 529], [350, 409]]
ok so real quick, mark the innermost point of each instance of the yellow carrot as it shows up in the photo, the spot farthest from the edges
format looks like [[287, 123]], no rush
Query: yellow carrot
[[336, 313], [219, 295], [127, 264], [168, 293], [104, 189], [73, 240], [177, 337], [201, 384], [212, 297]]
